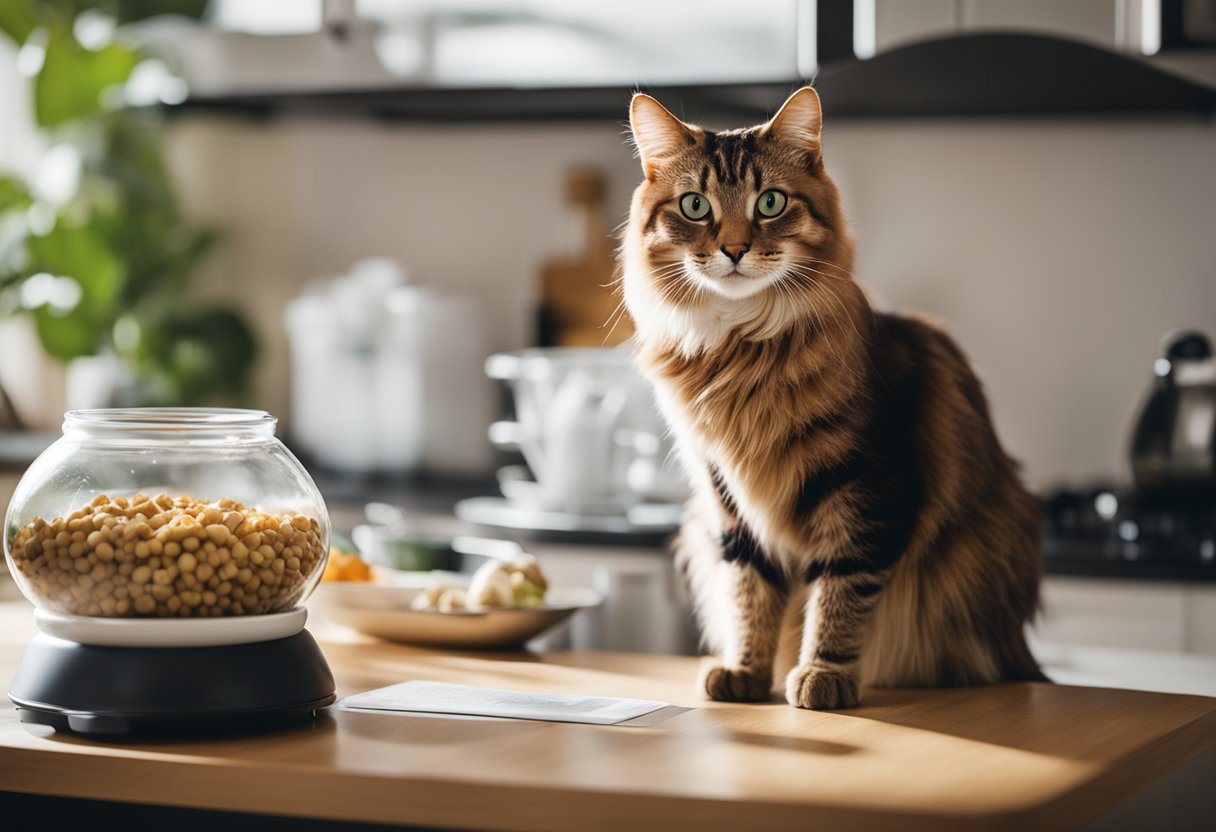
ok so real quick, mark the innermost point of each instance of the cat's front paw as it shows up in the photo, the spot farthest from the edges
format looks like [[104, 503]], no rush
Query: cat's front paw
[[822, 690], [736, 684]]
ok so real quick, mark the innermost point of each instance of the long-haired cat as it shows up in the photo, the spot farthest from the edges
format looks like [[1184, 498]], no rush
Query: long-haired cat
[[854, 519]]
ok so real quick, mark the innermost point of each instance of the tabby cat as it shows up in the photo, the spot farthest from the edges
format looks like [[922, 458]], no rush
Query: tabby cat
[[855, 520]]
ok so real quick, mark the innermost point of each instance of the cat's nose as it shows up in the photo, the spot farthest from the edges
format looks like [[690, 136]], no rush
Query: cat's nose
[[735, 251]]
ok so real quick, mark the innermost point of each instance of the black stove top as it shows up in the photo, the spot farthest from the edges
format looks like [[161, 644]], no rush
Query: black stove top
[[1110, 532]]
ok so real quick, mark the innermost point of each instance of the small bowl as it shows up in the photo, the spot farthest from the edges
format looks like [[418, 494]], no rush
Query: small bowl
[[383, 610], [381, 546]]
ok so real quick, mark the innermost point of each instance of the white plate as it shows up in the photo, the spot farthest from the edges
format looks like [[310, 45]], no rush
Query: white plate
[[171, 632], [383, 611], [647, 518]]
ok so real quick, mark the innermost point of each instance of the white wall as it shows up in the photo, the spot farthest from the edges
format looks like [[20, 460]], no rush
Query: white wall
[[1058, 251]]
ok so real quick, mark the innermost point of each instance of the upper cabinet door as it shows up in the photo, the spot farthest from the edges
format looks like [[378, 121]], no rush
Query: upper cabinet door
[[1099, 22], [351, 44], [490, 43]]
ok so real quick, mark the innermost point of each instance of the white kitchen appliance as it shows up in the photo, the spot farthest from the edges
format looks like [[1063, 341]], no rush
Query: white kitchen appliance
[[386, 376]]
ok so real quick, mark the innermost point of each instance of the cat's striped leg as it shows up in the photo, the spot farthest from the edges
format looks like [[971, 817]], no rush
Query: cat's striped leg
[[752, 593], [838, 608]]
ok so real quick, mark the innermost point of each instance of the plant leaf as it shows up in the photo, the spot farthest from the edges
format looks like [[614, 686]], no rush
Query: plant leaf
[[66, 336], [17, 19], [73, 79], [203, 350], [130, 11], [13, 194], [81, 254]]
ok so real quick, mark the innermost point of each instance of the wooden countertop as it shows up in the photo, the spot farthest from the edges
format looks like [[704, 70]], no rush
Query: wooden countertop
[[1009, 757]]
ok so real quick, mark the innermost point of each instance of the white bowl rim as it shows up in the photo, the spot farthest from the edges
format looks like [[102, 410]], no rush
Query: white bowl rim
[[171, 632], [566, 597]]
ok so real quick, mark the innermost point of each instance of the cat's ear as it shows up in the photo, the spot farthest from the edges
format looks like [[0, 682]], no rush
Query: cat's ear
[[799, 121], [657, 133]]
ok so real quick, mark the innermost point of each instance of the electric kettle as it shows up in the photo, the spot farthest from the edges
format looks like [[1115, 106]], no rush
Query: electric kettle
[[1173, 450]]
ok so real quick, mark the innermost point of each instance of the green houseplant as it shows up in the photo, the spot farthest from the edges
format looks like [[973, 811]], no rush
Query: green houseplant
[[103, 262]]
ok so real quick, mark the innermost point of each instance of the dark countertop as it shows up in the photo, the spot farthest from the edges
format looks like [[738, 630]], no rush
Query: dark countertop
[[1111, 560], [424, 494]]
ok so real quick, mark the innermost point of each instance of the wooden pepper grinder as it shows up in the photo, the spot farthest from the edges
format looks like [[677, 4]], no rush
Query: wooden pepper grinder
[[579, 297]]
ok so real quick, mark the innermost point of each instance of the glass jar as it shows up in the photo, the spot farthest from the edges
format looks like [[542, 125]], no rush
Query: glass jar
[[151, 512]]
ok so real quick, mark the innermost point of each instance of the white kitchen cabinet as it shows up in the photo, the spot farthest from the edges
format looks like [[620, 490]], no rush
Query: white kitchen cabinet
[[1200, 622], [1118, 667], [1146, 615], [880, 25], [1097, 21], [897, 22]]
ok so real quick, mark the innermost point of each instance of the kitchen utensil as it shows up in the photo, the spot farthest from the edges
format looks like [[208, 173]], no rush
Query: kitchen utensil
[[570, 405], [109, 662], [579, 462], [1173, 448]]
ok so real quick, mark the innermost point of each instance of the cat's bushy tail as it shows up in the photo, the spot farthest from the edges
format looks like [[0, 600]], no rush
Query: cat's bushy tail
[[1019, 664]]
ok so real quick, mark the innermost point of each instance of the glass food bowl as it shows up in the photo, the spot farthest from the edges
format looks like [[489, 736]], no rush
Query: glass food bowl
[[166, 513]]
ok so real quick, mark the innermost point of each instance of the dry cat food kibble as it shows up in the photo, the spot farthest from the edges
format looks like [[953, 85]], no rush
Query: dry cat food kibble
[[168, 556]]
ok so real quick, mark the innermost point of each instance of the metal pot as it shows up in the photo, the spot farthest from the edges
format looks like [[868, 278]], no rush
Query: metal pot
[[1173, 451]]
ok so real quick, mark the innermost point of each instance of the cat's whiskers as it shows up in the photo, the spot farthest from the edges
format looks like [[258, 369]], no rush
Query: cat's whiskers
[[823, 293], [807, 287], [805, 261], [668, 290], [614, 318], [672, 285], [821, 300], [846, 313], [819, 294], [806, 271], [809, 259], [673, 296]]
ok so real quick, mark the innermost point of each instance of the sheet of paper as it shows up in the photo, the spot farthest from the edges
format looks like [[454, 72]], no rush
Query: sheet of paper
[[437, 698]]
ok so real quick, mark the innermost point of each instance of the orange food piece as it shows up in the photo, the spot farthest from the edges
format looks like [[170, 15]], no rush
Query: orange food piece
[[346, 566]]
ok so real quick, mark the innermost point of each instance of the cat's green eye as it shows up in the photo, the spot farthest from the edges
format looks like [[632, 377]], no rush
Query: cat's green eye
[[694, 206], [770, 203]]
